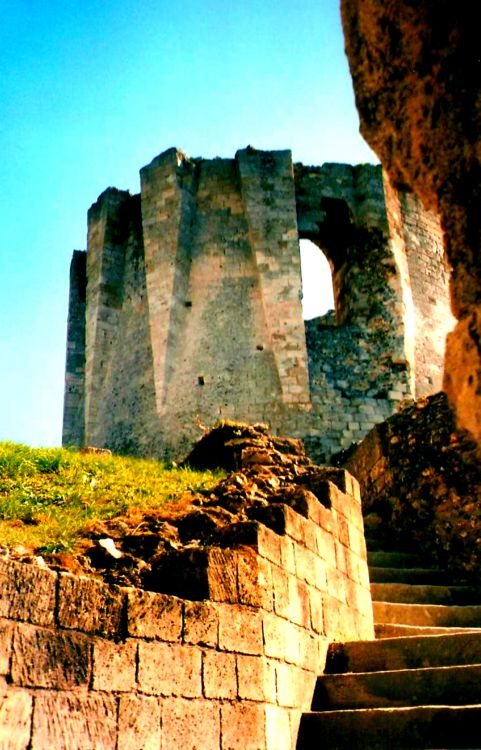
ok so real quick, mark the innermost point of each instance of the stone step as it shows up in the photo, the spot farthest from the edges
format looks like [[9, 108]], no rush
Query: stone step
[[395, 630], [393, 728], [395, 559], [449, 686], [437, 615], [413, 652], [425, 594], [376, 541], [408, 575]]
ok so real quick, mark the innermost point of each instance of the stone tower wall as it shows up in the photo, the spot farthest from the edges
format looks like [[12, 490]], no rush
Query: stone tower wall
[[74, 398], [193, 304]]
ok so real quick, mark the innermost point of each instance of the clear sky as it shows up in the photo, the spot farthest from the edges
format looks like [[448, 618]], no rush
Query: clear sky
[[92, 90]]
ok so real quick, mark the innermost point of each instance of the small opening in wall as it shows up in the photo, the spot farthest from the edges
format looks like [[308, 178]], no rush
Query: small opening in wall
[[201, 380], [317, 291], [260, 348], [188, 303]]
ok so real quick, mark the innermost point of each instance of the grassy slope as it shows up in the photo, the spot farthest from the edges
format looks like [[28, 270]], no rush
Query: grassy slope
[[50, 497]]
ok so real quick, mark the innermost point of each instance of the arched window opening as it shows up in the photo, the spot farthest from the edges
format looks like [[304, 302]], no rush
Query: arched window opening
[[317, 291]]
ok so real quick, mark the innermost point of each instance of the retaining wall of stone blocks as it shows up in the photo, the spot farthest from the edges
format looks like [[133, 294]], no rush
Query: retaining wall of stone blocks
[[97, 667]]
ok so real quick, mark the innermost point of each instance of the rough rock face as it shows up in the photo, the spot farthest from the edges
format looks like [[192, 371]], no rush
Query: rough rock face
[[420, 483], [416, 70]]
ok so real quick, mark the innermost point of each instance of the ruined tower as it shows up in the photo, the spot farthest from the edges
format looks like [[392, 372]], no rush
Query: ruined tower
[[187, 304]]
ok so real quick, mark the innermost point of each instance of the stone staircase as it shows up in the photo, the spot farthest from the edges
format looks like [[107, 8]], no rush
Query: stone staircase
[[419, 685]]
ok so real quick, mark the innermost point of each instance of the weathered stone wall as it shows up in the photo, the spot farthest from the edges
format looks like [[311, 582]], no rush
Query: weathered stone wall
[[429, 274], [119, 387], [193, 305], [420, 484], [74, 399], [360, 364], [417, 79], [88, 665]]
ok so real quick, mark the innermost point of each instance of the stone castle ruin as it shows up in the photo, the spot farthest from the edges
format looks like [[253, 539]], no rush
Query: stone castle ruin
[[186, 307]]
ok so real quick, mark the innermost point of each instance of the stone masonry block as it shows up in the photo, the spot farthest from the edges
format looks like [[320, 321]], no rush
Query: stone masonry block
[[341, 555], [240, 629], [268, 544], [309, 652], [306, 564], [280, 580], [256, 678], [312, 505], [320, 570], [6, 637], [350, 624], [114, 665], [91, 606], [310, 534], [362, 600], [274, 630], [219, 674], [362, 571], [151, 615], [139, 723], [316, 610], [351, 510], [243, 726], [222, 574], [357, 542], [278, 730], [250, 592], [325, 547], [295, 686], [288, 561], [190, 725], [16, 707], [170, 669], [337, 584], [50, 659], [294, 525], [61, 719], [333, 611], [292, 652], [325, 519], [342, 529], [265, 584], [298, 602], [201, 623], [352, 564], [27, 593]]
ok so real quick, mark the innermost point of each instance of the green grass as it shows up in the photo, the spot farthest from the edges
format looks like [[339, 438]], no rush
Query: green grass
[[51, 497]]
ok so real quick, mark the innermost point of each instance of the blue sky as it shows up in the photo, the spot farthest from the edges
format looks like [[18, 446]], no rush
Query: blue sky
[[93, 90]]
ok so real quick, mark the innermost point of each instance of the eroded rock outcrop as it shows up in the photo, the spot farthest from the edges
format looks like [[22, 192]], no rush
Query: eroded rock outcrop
[[416, 70], [420, 483]]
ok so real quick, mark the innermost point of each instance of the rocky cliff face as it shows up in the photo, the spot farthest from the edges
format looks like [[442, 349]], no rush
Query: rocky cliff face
[[420, 483], [416, 70]]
